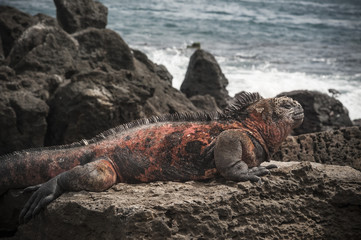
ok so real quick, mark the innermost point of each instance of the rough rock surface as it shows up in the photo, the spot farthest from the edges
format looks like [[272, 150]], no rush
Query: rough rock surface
[[23, 108], [322, 112], [298, 201], [96, 101], [45, 20], [356, 122], [2, 54], [103, 49], [12, 23], [204, 102], [107, 83], [81, 14], [338, 147], [43, 48], [160, 70], [22, 120], [204, 76]]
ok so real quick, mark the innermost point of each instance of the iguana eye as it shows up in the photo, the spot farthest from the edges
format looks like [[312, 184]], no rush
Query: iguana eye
[[287, 106]]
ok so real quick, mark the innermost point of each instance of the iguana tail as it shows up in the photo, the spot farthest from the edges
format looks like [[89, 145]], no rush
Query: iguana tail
[[32, 167]]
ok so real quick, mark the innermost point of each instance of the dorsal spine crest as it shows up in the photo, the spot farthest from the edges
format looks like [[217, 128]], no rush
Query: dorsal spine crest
[[240, 103]]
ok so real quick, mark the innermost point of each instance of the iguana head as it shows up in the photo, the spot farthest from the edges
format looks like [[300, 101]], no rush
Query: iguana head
[[272, 118], [280, 110], [288, 110]]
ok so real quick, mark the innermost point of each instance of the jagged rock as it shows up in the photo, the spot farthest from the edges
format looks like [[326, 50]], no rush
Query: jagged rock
[[43, 48], [81, 14], [93, 102], [204, 102], [338, 147], [297, 201], [45, 20], [12, 23], [2, 54], [103, 49], [6, 73], [356, 122], [110, 86], [96, 101], [160, 70], [41, 85], [22, 120], [204, 76], [322, 112], [165, 98]]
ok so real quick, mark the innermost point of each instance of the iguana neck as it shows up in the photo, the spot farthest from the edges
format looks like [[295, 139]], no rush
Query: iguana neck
[[270, 135]]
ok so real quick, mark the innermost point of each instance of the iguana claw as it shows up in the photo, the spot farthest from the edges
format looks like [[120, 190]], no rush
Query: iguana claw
[[44, 194]]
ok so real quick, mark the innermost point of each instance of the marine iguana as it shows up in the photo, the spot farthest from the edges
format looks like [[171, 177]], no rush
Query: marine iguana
[[174, 147]]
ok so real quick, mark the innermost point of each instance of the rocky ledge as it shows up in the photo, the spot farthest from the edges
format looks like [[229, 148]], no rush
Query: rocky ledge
[[338, 147], [297, 201]]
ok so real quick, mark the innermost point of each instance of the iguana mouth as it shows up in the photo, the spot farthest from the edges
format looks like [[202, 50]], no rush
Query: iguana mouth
[[298, 115]]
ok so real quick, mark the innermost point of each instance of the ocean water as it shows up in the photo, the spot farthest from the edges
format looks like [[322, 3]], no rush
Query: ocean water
[[269, 46]]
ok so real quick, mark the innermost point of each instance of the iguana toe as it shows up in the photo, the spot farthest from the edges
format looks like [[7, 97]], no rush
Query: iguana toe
[[44, 194]]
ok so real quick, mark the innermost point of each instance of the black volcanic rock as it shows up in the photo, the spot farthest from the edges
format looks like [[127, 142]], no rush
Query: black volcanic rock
[[45, 19], [12, 24], [2, 54], [22, 120], [204, 76], [6, 73], [160, 70], [88, 82], [357, 122], [24, 108], [337, 147], [43, 48], [95, 101], [204, 102], [322, 112], [77, 15], [103, 49]]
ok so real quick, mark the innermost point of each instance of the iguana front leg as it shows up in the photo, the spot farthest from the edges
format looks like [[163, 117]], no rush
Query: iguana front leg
[[94, 176], [233, 151]]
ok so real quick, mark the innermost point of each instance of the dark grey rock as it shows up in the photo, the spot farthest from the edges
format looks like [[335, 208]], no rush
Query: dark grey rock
[[12, 24], [357, 122], [6, 73], [102, 49], [322, 112], [77, 15], [2, 54], [160, 70], [204, 76], [22, 120], [109, 85], [338, 147], [91, 103], [43, 48], [45, 19], [96, 101], [204, 102]]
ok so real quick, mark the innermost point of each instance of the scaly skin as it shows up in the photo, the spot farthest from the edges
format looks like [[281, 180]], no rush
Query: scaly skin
[[232, 144]]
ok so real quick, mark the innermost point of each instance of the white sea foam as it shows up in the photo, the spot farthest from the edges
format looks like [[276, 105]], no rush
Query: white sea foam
[[270, 82], [175, 59], [263, 79]]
